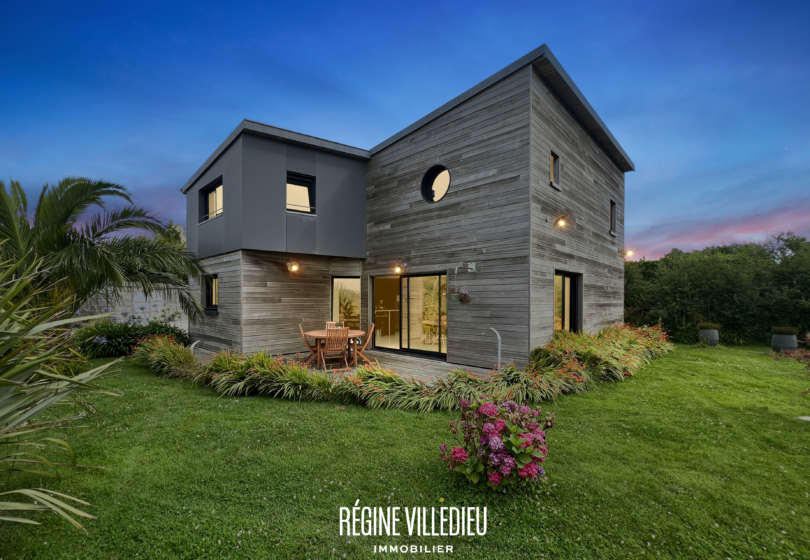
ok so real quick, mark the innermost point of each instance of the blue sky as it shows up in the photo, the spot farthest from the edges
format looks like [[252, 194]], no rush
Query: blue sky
[[709, 99]]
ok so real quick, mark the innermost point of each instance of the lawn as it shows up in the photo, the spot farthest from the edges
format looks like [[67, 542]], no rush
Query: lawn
[[701, 455]]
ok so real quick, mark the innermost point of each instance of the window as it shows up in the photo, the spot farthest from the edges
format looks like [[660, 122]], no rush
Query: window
[[566, 302], [300, 193], [346, 302], [613, 217], [435, 183], [555, 170], [211, 201], [212, 294]]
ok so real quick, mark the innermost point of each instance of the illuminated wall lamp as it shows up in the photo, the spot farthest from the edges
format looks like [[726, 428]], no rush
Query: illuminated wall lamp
[[560, 222], [400, 267], [627, 253], [293, 266]]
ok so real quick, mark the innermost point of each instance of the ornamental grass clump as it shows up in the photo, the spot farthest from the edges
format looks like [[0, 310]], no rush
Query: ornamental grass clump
[[163, 355], [502, 445]]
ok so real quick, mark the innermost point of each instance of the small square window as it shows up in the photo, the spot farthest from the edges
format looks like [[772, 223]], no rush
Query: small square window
[[211, 201], [554, 169], [300, 193], [613, 217], [212, 294]]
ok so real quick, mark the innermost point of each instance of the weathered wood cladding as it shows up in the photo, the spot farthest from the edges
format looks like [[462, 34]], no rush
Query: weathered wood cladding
[[261, 303], [224, 330], [484, 218], [275, 301], [589, 181]]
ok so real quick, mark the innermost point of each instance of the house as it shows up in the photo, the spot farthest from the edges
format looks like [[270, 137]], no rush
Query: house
[[513, 192]]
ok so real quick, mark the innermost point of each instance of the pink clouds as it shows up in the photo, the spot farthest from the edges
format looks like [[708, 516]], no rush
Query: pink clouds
[[697, 233]]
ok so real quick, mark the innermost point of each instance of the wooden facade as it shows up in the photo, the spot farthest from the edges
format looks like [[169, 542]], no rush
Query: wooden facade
[[496, 226]]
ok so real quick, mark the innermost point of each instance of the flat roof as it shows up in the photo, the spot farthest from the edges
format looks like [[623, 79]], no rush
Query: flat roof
[[259, 129], [541, 58], [560, 83]]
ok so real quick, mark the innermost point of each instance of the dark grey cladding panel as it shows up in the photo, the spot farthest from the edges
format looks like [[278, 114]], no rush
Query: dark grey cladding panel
[[301, 160], [301, 233], [341, 206], [264, 179]]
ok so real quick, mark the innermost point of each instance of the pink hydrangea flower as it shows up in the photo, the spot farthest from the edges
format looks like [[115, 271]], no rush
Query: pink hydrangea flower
[[529, 471], [489, 429], [459, 455], [535, 413], [489, 409], [443, 447], [505, 469], [495, 478], [500, 425], [496, 443], [524, 409]]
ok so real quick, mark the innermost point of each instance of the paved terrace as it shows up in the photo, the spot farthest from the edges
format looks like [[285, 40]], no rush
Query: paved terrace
[[422, 368]]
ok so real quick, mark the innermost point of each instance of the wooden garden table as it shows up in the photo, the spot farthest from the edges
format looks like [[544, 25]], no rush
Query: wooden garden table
[[320, 336]]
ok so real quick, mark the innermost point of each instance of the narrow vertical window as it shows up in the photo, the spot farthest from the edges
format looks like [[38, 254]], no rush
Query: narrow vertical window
[[211, 201], [212, 293], [613, 217], [555, 170]]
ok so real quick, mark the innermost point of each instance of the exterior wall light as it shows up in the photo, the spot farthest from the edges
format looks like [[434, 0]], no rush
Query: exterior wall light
[[627, 253], [560, 222], [400, 267], [293, 266]]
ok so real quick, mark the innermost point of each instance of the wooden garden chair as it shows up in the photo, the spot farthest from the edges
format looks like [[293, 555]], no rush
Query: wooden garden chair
[[330, 324], [313, 352], [358, 352], [336, 347]]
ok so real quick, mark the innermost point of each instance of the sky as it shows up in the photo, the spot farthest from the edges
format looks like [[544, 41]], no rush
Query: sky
[[711, 100]]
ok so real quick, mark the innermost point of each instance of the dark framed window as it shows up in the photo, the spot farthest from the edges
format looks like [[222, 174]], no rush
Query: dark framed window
[[554, 170], [613, 210], [212, 294], [211, 200], [566, 301], [300, 193], [435, 183]]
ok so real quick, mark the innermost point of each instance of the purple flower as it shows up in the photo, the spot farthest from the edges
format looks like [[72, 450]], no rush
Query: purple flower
[[509, 405], [489, 409], [496, 443], [490, 429], [524, 409], [464, 404], [443, 447], [495, 458], [483, 440], [505, 470], [508, 460]]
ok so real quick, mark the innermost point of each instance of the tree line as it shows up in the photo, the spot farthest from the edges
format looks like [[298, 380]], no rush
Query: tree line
[[746, 288]]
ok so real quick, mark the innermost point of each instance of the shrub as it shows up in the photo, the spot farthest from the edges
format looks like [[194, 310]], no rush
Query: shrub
[[566, 365], [502, 445], [164, 356], [785, 330], [106, 339], [705, 325], [614, 353]]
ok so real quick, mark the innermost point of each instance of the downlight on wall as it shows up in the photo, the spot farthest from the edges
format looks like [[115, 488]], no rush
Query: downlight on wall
[[293, 266], [560, 222], [400, 267]]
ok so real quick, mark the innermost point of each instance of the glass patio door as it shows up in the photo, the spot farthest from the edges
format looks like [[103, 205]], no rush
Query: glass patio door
[[411, 313]]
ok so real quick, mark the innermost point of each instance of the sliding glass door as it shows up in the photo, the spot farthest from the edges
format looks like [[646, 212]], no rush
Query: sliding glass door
[[411, 313]]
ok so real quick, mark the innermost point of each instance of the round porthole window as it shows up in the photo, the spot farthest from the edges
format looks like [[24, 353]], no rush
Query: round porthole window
[[435, 183]]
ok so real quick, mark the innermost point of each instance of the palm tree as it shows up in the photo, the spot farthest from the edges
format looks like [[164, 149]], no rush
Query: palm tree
[[95, 258]]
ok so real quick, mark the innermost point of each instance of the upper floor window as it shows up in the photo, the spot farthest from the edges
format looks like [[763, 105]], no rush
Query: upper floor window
[[555, 170], [211, 201], [613, 217], [435, 183], [300, 193]]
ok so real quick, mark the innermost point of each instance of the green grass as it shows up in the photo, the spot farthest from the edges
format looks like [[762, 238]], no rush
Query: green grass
[[701, 455]]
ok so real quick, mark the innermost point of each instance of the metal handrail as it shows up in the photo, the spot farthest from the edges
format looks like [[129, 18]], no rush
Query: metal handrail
[[309, 209], [211, 215]]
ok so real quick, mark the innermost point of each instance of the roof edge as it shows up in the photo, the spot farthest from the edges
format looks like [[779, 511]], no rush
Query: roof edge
[[259, 129], [564, 88]]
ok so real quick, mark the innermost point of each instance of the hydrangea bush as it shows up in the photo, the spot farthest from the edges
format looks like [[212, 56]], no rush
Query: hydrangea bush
[[503, 445]]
